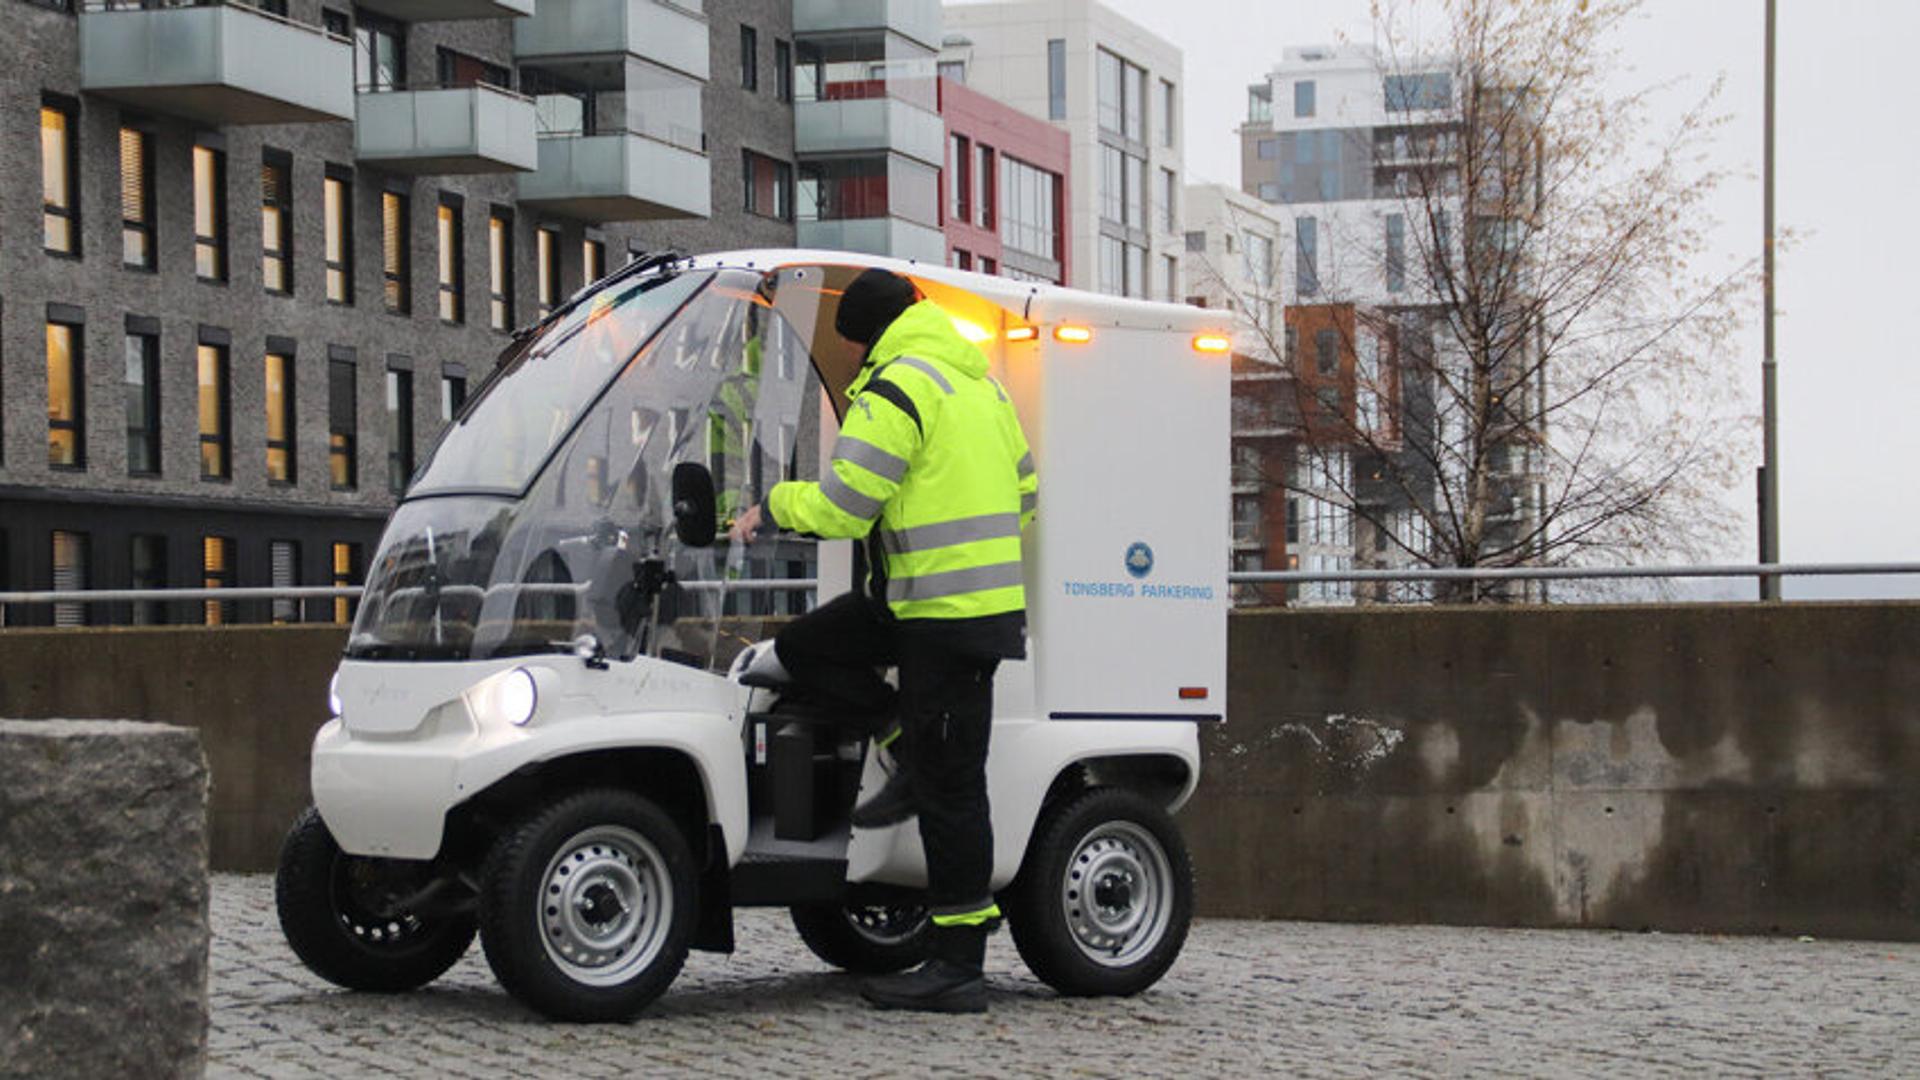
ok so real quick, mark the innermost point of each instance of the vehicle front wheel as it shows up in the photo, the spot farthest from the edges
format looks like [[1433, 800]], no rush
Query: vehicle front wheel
[[346, 919], [587, 907], [864, 939], [1105, 896]]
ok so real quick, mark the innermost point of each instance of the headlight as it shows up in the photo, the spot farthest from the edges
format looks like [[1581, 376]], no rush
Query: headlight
[[515, 696], [333, 695]]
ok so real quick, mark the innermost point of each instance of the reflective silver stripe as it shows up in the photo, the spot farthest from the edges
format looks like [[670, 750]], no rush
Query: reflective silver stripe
[[1026, 465], [944, 533], [843, 496], [997, 391], [955, 582], [933, 373], [870, 457], [1029, 502]]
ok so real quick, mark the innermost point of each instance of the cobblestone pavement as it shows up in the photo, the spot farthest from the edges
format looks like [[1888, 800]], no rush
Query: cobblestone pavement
[[1246, 998]]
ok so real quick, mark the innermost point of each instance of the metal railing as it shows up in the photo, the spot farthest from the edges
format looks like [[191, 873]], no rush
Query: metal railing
[[1567, 573]]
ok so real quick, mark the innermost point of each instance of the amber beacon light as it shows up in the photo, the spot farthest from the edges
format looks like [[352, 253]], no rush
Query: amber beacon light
[[1212, 343], [1072, 335]]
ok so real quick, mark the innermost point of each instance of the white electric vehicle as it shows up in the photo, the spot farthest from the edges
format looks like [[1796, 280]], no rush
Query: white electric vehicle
[[546, 730]]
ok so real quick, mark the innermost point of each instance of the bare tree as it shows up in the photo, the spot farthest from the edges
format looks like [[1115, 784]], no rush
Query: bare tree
[[1530, 368]]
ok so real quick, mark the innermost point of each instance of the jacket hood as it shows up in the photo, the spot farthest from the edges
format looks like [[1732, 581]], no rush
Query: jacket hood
[[923, 330]]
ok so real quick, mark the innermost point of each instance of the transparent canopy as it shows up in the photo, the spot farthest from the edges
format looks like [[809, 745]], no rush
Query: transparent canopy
[[544, 520]]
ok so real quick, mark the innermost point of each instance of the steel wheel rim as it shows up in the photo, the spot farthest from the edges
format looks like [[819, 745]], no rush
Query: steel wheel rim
[[1117, 893], [359, 916], [886, 925], [605, 903]]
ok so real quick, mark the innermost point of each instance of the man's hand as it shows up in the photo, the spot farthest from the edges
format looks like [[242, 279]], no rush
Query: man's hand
[[746, 525]]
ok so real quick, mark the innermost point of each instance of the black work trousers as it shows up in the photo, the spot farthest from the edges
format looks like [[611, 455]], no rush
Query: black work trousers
[[945, 708]]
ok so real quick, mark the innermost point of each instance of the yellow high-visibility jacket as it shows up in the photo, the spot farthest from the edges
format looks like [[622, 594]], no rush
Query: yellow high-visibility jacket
[[932, 451]]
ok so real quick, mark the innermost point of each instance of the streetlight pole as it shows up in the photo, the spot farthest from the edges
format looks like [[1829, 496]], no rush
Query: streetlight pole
[[1770, 418]]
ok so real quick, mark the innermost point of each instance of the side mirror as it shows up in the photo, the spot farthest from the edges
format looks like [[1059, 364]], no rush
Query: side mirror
[[694, 520]]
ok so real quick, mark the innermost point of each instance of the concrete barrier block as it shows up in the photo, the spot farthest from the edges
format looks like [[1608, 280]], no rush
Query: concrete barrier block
[[103, 899]]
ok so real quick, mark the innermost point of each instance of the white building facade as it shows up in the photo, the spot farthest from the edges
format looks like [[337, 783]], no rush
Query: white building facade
[[1116, 87]]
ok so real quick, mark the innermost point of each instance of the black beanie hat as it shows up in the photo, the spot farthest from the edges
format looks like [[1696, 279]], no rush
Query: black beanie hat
[[871, 303]]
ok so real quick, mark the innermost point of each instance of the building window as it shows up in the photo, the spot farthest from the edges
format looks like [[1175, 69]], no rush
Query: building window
[[399, 430], [66, 397], [1056, 79], [1396, 252], [1029, 209], [983, 200], [1166, 113], [956, 70], [283, 570], [337, 192], [593, 260], [769, 186], [336, 23], [1406, 93], [988, 266], [453, 394], [500, 270], [1306, 256], [136, 198], [1171, 278], [59, 164], [783, 70], [458, 69], [1267, 149], [1121, 96], [276, 221], [346, 574], [453, 272], [147, 569], [546, 265], [71, 556], [281, 424], [343, 424], [379, 53], [396, 257], [216, 404], [1303, 93], [1326, 352], [959, 178], [209, 213], [216, 572], [143, 404], [1197, 241], [962, 260], [749, 58], [1163, 202]]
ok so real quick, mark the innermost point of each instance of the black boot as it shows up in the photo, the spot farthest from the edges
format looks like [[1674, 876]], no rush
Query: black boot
[[891, 805], [950, 982]]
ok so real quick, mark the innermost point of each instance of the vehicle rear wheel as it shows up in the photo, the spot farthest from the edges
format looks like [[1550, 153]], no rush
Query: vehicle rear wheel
[[1103, 901], [864, 939], [344, 918], [588, 906]]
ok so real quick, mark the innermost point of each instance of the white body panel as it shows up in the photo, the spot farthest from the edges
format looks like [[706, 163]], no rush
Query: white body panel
[[1130, 436]]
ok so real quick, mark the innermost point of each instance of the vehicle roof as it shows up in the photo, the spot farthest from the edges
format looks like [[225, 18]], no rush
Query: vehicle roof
[[1035, 302]]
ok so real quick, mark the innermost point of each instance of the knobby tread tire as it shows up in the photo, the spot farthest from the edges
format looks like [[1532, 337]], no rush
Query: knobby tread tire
[[303, 898], [1039, 923], [510, 895], [825, 930]]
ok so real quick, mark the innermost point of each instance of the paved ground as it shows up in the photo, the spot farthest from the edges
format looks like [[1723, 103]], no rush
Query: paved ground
[[1246, 998]]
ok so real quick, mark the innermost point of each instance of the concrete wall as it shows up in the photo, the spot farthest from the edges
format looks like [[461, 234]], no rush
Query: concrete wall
[[1699, 767]]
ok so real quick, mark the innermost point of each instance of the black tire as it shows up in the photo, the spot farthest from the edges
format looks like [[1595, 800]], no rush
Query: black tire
[[1112, 840], [622, 882], [864, 940], [322, 896]]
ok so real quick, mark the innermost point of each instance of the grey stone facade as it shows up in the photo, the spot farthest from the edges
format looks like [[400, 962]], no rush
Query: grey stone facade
[[108, 504]]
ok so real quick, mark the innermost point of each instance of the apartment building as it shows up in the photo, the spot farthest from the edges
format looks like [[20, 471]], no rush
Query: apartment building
[[1004, 188], [253, 257], [1115, 87]]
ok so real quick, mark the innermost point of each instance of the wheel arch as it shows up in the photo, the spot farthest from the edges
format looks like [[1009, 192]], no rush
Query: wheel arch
[[1166, 778]]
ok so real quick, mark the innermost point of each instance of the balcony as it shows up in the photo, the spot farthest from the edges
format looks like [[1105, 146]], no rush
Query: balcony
[[448, 10], [587, 40], [445, 131], [218, 63], [871, 124], [892, 236], [917, 20], [622, 176]]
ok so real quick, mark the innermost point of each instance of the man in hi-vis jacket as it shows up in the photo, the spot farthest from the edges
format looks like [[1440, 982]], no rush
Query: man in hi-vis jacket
[[932, 469]]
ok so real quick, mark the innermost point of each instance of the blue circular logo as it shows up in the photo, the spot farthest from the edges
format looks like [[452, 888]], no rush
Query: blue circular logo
[[1139, 559]]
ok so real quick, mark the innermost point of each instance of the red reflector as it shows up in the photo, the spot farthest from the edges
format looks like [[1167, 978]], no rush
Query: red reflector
[[1193, 693]]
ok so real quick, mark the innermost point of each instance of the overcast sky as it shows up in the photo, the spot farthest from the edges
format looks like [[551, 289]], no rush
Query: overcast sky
[[1849, 379]]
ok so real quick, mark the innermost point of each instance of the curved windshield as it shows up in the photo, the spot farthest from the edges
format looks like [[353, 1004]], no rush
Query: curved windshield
[[524, 411], [577, 550]]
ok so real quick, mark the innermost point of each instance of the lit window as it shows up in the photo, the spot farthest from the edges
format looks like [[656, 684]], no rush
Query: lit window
[[209, 213], [547, 269], [216, 568], [215, 409], [70, 558], [276, 222], [395, 256], [66, 398], [58, 164], [338, 193], [500, 270], [452, 262], [346, 574], [280, 418], [136, 198]]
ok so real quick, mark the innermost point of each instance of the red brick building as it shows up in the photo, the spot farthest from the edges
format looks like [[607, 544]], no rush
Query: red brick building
[[1004, 188]]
